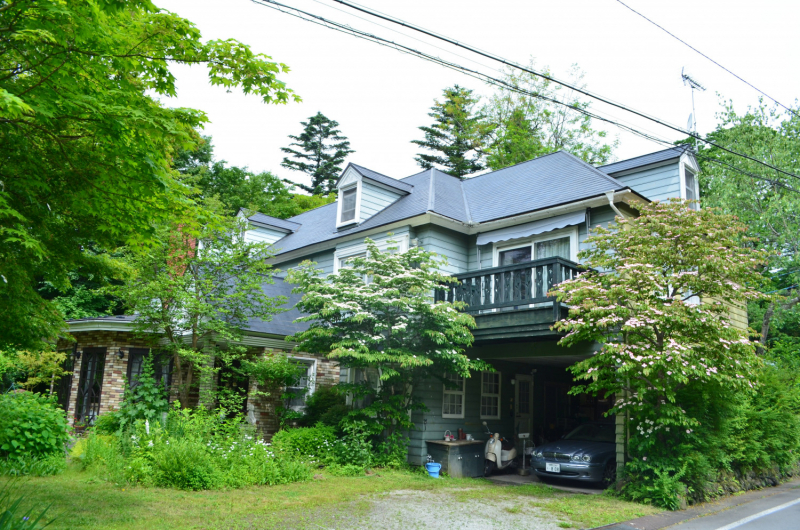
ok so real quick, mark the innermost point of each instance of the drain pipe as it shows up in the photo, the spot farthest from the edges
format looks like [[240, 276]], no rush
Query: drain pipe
[[610, 195]]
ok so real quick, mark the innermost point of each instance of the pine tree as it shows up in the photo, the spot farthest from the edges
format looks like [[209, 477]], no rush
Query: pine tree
[[458, 136], [320, 160]]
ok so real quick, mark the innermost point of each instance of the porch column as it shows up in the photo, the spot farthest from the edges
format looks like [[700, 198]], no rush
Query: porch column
[[621, 421]]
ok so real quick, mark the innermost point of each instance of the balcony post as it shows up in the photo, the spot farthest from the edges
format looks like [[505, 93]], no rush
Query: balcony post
[[555, 278]]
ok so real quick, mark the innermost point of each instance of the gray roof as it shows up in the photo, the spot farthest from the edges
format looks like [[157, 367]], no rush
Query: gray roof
[[281, 324], [548, 181], [383, 179], [273, 222], [645, 160]]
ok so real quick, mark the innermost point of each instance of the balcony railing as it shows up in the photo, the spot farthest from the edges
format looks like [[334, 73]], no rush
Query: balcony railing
[[513, 286]]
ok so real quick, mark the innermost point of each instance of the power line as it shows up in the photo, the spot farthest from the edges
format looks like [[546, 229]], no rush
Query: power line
[[580, 90], [709, 58], [349, 30]]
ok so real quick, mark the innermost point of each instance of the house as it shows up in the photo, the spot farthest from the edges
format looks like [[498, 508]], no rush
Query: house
[[508, 236]]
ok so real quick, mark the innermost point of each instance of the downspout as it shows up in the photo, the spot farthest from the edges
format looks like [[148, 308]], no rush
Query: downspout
[[610, 195]]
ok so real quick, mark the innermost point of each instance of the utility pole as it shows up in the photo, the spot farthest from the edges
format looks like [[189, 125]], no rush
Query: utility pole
[[695, 85]]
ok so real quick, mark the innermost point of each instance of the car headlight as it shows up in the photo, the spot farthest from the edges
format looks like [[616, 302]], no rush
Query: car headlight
[[538, 454], [577, 458], [587, 458]]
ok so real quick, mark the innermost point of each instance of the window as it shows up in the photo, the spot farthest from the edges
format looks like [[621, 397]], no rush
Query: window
[[304, 386], [348, 205], [346, 262], [371, 379], [690, 187], [453, 397], [540, 247], [162, 366], [490, 395]]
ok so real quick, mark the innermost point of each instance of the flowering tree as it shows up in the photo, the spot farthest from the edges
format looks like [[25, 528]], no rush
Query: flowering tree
[[659, 299], [378, 313]]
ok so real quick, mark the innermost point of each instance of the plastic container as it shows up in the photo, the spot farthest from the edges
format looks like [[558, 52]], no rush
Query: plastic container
[[433, 469]]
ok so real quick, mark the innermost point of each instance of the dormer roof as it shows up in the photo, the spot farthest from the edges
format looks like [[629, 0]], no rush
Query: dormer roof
[[645, 160], [267, 221], [401, 187]]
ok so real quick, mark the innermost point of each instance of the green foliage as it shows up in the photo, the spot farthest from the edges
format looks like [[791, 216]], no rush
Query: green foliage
[[13, 516], [326, 405], [108, 422], [308, 443], [458, 135], [526, 127], [34, 466], [322, 150], [32, 369], [31, 426], [656, 341], [654, 483], [377, 315], [195, 450], [147, 400], [87, 142], [195, 286]]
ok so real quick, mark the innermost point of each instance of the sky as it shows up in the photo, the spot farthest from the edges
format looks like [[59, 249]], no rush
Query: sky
[[380, 96]]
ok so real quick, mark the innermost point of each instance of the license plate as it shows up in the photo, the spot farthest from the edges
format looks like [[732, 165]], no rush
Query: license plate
[[552, 468]]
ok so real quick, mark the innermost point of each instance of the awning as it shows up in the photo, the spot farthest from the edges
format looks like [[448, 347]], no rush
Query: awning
[[531, 229]]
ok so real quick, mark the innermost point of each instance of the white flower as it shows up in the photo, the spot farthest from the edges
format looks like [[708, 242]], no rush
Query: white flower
[[150, 443], [147, 426]]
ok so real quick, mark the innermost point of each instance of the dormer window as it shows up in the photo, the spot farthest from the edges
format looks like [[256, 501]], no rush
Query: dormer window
[[690, 187], [348, 199]]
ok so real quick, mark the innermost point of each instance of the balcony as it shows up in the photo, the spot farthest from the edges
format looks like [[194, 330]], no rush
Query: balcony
[[511, 302]]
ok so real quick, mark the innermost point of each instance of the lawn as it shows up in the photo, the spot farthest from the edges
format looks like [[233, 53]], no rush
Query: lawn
[[384, 499]]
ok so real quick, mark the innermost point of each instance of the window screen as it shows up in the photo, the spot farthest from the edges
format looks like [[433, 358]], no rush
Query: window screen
[[300, 389], [348, 205], [514, 256], [690, 188], [552, 248]]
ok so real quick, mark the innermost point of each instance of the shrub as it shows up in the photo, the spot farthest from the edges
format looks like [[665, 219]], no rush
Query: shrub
[[354, 448], [184, 464], [107, 423], [326, 405], [31, 426], [43, 466], [654, 483], [307, 442]]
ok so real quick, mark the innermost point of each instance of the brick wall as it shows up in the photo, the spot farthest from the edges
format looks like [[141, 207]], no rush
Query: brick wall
[[262, 411], [115, 370]]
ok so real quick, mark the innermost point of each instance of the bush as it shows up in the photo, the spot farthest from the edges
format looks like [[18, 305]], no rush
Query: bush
[[107, 423], [31, 426], [43, 466], [326, 405], [654, 483], [310, 443]]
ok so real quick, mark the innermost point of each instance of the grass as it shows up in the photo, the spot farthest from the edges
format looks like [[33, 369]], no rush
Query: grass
[[83, 500]]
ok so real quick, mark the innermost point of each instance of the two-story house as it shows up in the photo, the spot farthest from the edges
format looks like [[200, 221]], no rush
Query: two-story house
[[508, 236]]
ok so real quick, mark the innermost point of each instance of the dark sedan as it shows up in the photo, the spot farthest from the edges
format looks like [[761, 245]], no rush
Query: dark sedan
[[587, 453]]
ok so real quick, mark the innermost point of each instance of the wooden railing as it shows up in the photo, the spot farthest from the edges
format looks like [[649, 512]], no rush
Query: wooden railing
[[512, 286]]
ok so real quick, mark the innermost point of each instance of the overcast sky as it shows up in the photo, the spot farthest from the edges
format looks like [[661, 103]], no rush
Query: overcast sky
[[380, 96]]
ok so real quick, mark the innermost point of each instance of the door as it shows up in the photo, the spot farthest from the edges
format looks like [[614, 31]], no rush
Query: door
[[523, 404], [90, 385]]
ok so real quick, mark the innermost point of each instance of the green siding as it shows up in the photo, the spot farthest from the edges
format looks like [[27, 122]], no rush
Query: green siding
[[657, 184], [445, 243], [374, 199]]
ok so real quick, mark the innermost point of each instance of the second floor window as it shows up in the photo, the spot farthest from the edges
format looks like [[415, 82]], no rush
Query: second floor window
[[348, 205], [691, 182]]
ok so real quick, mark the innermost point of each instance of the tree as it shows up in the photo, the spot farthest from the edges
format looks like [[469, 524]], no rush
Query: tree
[[197, 291], [657, 337], [85, 142], [378, 314], [526, 126], [321, 155], [458, 136], [766, 201]]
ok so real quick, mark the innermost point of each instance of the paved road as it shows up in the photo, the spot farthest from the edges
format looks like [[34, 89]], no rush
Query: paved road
[[775, 508], [778, 512]]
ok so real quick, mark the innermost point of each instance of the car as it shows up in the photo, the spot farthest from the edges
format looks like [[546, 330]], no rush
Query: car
[[588, 454]]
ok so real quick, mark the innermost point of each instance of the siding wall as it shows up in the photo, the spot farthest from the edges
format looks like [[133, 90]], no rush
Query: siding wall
[[324, 261], [446, 243], [657, 184], [258, 234], [374, 199]]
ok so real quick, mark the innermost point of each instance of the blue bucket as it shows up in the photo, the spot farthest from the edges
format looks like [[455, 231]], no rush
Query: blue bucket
[[433, 469]]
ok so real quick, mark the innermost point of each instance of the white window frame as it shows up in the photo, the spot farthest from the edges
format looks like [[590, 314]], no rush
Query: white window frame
[[401, 242], [312, 379], [447, 390], [687, 163], [484, 394], [348, 181], [571, 232]]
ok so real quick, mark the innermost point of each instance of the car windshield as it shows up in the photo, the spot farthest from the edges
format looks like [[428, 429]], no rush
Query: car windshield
[[592, 433]]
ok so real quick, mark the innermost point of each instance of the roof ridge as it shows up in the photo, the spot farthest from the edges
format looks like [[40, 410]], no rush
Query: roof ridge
[[681, 147], [604, 175], [466, 202], [514, 165], [431, 191], [358, 166]]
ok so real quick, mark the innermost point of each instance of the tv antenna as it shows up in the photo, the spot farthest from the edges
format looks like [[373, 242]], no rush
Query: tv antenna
[[694, 85]]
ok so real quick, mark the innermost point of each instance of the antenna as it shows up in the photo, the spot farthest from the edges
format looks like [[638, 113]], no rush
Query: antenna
[[694, 85]]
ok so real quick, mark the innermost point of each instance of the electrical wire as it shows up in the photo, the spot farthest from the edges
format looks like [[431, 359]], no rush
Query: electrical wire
[[349, 30], [710, 59], [548, 77]]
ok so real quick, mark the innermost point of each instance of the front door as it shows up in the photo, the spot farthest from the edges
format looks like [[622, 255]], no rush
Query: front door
[[523, 404], [90, 385]]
